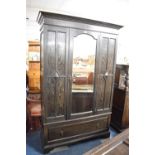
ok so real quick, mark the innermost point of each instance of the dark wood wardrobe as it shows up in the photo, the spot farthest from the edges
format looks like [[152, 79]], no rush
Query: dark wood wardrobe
[[77, 78]]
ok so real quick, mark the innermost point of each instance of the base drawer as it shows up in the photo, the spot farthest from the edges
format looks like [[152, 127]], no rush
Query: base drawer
[[72, 130]]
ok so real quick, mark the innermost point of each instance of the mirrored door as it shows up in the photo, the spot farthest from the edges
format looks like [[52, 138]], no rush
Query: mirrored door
[[83, 49]]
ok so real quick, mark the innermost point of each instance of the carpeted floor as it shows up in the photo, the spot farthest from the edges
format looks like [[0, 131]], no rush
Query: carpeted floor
[[33, 145]]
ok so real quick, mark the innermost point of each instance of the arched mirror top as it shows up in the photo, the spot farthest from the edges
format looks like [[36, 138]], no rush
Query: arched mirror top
[[84, 46], [86, 33]]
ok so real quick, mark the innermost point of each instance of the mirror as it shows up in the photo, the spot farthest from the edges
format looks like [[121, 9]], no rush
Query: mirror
[[83, 63], [83, 73]]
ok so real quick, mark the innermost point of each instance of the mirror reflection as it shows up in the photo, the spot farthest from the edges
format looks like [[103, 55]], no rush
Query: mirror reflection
[[83, 63], [83, 72]]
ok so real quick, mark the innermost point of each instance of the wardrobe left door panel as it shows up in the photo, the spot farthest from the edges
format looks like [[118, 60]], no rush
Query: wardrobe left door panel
[[54, 83]]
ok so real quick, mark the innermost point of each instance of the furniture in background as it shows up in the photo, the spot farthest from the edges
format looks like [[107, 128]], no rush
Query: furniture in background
[[34, 65], [77, 78], [118, 145], [120, 107], [33, 106]]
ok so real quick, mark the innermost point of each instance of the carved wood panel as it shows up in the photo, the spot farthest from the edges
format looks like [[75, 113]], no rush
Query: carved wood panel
[[50, 97], [100, 71], [55, 76], [105, 64], [49, 70], [61, 71], [61, 53], [110, 70]]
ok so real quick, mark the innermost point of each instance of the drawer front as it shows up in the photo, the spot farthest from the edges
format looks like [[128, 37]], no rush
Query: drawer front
[[34, 48], [34, 96], [34, 66], [34, 83], [77, 129], [34, 74]]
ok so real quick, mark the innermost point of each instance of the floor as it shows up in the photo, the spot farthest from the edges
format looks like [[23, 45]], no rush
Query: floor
[[33, 145]]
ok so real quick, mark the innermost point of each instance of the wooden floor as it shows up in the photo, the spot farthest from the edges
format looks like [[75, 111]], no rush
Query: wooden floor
[[119, 145]]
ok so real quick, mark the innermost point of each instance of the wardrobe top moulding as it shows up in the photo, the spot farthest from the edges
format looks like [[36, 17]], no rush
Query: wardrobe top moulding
[[56, 19]]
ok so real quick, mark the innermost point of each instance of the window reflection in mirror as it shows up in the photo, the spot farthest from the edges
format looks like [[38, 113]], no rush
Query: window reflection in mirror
[[83, 63]]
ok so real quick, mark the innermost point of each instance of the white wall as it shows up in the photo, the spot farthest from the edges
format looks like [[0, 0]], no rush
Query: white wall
[[113, 11], [123, 47]]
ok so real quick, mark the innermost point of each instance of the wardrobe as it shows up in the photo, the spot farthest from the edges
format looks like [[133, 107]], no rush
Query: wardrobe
[[78, 59]]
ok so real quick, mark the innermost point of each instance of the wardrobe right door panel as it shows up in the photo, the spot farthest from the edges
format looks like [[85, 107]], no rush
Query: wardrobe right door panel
[[105, 73]]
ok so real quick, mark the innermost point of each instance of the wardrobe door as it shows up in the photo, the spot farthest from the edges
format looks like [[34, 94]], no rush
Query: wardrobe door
[[105, 72], [54, 73], [83, 47]]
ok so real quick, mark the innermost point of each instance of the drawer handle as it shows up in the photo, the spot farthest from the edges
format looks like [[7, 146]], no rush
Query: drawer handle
[[61, 132]]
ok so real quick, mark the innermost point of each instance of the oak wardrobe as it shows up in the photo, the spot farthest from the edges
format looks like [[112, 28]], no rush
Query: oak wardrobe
[[77, 78]]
